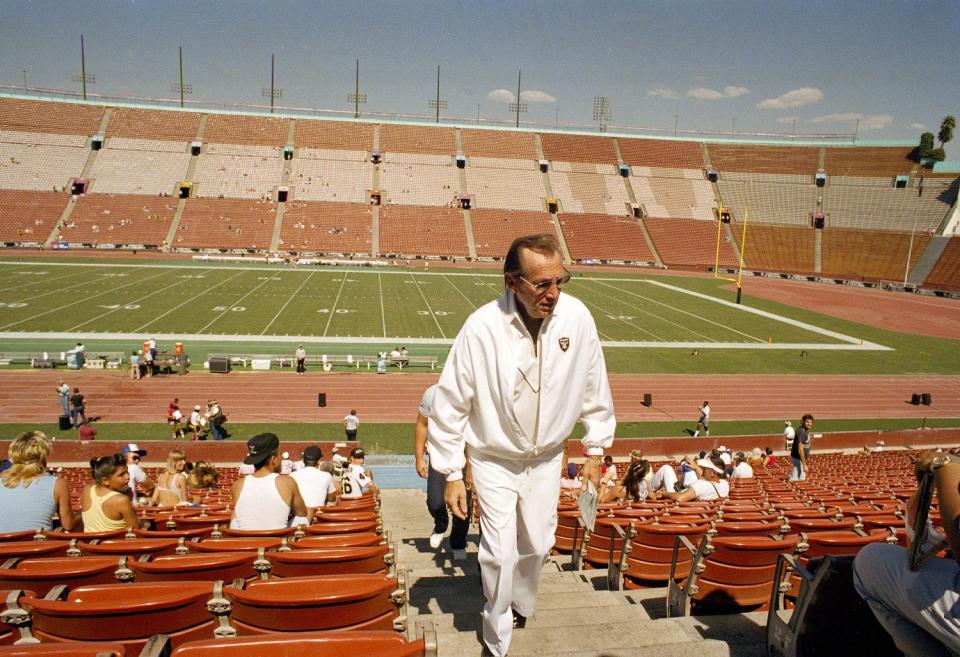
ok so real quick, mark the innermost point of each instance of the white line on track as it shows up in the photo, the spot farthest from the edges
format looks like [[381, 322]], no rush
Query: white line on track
[[189, 300], [343, 281], [429, 309], [383, 311], [232, 304], [284, 306], [60, 308]]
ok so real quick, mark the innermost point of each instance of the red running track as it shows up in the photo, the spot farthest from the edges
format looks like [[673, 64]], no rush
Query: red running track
[[29, 396]]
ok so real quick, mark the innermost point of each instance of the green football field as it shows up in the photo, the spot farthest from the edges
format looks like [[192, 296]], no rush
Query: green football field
[[235, 303]]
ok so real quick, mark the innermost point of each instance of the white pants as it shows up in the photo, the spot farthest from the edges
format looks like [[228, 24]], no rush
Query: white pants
[[920, 609], [518, 519], [664, 479]]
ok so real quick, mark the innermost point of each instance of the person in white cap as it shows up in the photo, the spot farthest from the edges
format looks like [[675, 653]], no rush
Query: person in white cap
[[709, 486], [522, 371], [704, 421], [788, 434], [197, 424], [140, 484]]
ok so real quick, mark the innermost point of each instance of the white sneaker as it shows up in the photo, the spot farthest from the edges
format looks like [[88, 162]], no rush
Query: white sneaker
[[460, 555], [436, 540]]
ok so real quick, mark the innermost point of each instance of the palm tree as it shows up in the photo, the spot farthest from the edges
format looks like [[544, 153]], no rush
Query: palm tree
[[946, 129]]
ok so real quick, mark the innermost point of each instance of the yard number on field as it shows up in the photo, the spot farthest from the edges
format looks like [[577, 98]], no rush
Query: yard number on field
[[117, 306]]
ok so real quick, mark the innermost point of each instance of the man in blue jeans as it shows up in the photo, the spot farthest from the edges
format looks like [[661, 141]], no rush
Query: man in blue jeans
[[436, 483], [800, 450]]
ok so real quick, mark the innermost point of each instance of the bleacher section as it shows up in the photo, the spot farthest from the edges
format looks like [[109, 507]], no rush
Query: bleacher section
[[29, 217], [330, 175], [139, 166], [495, 144], [873, 203], [169, 125], [799, 160], [228, 171], [502, 183], [247, 130], [417, 139], [578, 148], [867, 161], [946, 273], [689, 244], [24, 115], [861, 254], [769, 198], [209, 223], [495, 230], [41, 162], [603, 237], [335, 135], [589, 188], [102, 219], [413, 230], [777, 248], [342, 228], [419, 184], [673, 193], [661, 153]]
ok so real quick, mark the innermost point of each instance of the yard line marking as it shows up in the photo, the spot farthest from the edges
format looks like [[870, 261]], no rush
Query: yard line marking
[[38, 281], [292, 297], [659, 317], [231, 304], [57, 291], [85, 300], [343, 281], [684, 312], [470, 301], [617, 319], [136, 300], [383, 311], [189, 300], [435, 321]]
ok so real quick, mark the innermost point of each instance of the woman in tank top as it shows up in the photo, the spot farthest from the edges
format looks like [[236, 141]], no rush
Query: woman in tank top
[[171, 487], [104, 507], [29, 497]]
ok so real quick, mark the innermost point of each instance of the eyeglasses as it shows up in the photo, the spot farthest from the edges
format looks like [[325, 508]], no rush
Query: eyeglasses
[[543, 286], [135, 458]]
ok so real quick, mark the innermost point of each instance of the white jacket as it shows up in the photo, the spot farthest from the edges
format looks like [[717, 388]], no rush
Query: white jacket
[[474, 398]]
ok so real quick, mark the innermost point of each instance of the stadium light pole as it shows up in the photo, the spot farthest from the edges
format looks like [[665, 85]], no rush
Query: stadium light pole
[[24, 80], [356, 97], [273, 93], [676, 124], [518, 107], [82, 77], [180, 87], [437, 104], [602, 111]]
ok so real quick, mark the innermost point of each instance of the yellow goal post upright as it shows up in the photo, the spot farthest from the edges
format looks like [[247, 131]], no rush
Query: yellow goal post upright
[[721, 211]]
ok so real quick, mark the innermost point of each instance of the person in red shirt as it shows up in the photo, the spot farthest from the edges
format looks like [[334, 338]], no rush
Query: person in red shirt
[[86, 431]]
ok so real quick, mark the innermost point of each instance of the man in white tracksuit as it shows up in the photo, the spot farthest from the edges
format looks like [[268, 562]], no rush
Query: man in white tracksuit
[[522, 371]]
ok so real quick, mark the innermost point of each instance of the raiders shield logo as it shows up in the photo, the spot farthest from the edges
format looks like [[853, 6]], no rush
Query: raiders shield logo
[[564, 344]]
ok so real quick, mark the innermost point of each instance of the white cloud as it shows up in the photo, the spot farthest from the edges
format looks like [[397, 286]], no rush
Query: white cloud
[[661, 92], [500, 96], [534, 96], [867, 122], [918, 126], [703, 93], [788, 119], [796, 98]]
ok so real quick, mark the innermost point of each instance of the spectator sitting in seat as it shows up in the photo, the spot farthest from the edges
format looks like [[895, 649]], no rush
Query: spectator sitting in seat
[[755, 458], [570, 482], [316, 486], [29, 496], [171, 488], [265, 499], [769, 458], [104, 506], [86, 431], [709, 486], [140, 483], [203, 475], [742, 469], [356, 480], [633, 486]]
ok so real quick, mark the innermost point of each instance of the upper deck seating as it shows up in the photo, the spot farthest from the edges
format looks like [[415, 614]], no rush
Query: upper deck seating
[[946, 273], [118, 220], [247, 130], [163, 125], [777, 248], [503, 183], [495, 230], [769, 198], [414, 230], [867, 160], [333, 135], [873, 203], [326, 227], [602, 237], [589, 188], [869, 254], [210, 223], [397, 138], [326, 175], [40, 162], [688, 243], [250, 172], [679, 193], [674, 154], [29, 216], [139, 166], [799, 160], [413, 184], [578, 148], [49, 117], [498, 144]]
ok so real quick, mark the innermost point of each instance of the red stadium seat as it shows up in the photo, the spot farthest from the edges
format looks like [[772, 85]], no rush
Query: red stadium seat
[[371, 643], [332, 561], [18, 536], [133, 547], [27, 549], [41, 575], [207, 567], [324, 528], [338, 540], [648, 562]]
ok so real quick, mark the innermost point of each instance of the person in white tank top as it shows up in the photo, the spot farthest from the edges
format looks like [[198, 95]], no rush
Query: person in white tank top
[[266, 499]]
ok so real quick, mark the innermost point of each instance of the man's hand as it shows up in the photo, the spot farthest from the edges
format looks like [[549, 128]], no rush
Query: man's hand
[[421, 467], [455, 495]]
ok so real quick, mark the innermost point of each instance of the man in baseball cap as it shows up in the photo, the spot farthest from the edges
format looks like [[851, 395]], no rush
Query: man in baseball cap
[[265, 499], [356, 480], [316, 486], [710, 485], [140, 484]]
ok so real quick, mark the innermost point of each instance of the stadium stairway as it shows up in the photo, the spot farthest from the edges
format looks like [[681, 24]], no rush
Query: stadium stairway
[[925, 264], [575, 617]]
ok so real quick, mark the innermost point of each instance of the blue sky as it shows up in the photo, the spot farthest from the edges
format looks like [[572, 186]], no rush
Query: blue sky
[[760, 64]]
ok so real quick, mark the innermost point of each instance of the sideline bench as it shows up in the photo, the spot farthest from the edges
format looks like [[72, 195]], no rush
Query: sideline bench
[[325, 362]]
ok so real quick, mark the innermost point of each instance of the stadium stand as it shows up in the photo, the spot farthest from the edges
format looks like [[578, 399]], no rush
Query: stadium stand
[[333, 135], [342, 228], [415, 230], [415, 184], [326, 175], [209, 223], [777, 248], [769, 198], [578, 148], [946, 273], [798, 160], [246, 130], [40, 162], [602, 237], [869, 255], [396, 138], [674, 154], [250, 172], [29, 217], [169, 125], [672, 193], [139, 166], [685, 243], [24, 115], [867, 161], [509, 184], [873, 203], [495, 230], [101, 219], [589, 188], [498, 144]]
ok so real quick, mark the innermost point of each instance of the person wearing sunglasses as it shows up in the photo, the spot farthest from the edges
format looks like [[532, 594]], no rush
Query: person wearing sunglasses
[[141, 486], [522, 371]]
